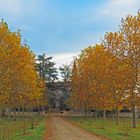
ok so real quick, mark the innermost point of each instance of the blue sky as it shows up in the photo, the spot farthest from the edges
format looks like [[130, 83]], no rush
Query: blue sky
[[62, 28]]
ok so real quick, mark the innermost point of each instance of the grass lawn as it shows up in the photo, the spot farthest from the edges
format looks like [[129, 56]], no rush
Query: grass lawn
[[109, 129], [14, 130]]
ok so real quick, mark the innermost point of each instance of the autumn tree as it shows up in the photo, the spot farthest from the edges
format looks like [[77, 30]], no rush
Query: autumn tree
[[118, 70], [107, 76], [91, 78], [18, 77], [130, 28]]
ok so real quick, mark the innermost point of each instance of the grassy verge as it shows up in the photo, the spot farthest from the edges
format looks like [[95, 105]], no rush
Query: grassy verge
[[123, 131], [22, 129]]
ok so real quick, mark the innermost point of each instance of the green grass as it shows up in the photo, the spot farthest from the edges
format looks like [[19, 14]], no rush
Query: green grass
[[33, 134], [109, 129], [14, 130]]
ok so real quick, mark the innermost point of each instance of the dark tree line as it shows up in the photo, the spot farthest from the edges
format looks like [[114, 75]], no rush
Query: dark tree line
[[49, 73]]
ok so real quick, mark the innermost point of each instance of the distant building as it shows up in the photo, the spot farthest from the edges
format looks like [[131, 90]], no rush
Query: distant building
[[57, 93]]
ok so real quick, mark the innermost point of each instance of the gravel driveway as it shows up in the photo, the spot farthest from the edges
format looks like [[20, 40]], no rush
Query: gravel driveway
[[63, 130]]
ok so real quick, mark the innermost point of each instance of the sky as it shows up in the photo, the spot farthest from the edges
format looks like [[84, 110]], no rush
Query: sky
[[62, 28]]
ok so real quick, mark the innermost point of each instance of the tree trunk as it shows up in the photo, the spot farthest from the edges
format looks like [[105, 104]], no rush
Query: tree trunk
[[89, 113], [117, 115], [134, 116], [0, 114], [96, 114], [32, 122], [38, 108], [3, 113], [19, 112], [23, 117], [14, 114], [85, 112], [104, 115], [9, 113], [23, 113]]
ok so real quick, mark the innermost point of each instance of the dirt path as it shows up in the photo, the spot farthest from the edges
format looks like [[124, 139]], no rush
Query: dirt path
[[63, 130]]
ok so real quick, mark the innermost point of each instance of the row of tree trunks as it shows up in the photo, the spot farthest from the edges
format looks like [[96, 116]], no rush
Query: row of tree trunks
[[20, 113]]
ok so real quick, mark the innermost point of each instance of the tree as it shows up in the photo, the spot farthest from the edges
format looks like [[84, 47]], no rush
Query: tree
[[18, 76], [73, 101], [108, 74], [46, 68], [65, 72], [89, 79], [118, 70], [130, 28]]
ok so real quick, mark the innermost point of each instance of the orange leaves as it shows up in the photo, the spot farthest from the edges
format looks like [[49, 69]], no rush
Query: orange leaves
[[91, 79], [106, 75], [18, 77]]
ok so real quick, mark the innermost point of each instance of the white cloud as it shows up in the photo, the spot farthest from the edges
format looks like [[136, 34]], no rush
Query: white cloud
[[116, 9], [63, 58], [20, 8], [10, 6]]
